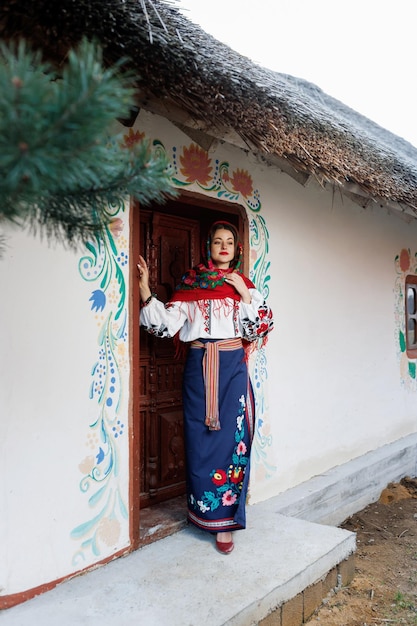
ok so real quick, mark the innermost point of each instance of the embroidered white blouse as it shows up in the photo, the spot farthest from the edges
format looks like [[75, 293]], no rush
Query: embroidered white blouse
[[209, 319]]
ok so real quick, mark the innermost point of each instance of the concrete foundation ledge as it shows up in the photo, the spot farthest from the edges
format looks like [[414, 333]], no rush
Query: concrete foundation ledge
[[182, 581], [299, 609], [345, 489]]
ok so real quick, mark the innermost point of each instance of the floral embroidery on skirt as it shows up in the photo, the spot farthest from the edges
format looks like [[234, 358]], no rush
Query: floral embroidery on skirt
[[218, 461]]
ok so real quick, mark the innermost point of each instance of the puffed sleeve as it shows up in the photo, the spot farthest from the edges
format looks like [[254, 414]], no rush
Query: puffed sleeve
[[256, 318], [162, 320]]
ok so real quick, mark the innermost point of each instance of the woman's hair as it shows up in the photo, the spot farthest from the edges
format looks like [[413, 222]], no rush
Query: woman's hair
[[221, 225]]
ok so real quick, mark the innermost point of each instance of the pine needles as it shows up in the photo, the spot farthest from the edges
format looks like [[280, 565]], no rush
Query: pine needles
[[61, 165]]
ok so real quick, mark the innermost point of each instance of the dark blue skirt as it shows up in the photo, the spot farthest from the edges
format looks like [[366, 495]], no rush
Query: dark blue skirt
[[218, 460]]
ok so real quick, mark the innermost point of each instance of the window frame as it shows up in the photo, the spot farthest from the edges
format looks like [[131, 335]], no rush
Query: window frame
[[411, 282]]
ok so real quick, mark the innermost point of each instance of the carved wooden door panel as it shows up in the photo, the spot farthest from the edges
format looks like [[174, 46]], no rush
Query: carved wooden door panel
[[170, 245]]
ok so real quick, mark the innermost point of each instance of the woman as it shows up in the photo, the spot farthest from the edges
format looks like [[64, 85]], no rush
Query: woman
[[218, 312]]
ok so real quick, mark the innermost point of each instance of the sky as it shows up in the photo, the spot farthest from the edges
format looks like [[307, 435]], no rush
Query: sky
[[362, 52]]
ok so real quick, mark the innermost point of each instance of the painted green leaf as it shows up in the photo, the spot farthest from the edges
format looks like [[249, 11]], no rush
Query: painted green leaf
[[111, 242], [412, 368], [122, 291], [105, 280], [97, 496], [83, 529], [180, 183], [91, 249], [402, 341]]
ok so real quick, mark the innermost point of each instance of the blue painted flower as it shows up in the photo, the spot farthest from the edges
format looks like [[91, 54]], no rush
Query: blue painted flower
[[100, 456], [98, 299]]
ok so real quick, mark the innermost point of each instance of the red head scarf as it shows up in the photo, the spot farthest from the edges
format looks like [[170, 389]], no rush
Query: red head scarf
[[206, 281]]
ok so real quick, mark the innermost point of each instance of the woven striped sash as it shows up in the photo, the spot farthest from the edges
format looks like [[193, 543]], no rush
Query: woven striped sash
[[211, 375]]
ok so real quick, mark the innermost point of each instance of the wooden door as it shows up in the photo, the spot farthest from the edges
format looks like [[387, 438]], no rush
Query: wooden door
[[170, 245]]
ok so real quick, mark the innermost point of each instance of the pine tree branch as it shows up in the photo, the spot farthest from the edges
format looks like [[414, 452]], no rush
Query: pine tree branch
[[61, 166]]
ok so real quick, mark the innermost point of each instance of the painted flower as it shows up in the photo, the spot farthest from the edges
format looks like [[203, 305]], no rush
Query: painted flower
[[242, 182], [236, 475], [118, 429], [132, 138], [404, 260], [219, 477], [228, 498], [195, 165], [100, 456], [121, 350], [240, 421], [98, 299], [116, 227], [241, 447], [108, 531], [87, 465]]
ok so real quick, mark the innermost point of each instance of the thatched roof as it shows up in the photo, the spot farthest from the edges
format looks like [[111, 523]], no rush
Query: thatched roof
[[205, 87]]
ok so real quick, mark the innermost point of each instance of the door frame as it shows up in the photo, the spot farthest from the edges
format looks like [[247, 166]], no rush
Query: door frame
[[221, 208]]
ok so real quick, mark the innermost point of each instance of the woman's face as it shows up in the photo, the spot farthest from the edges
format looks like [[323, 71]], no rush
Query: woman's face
[[222, 248]]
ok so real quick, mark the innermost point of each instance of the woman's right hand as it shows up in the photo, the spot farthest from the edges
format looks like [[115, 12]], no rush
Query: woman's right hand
[[143, 270]]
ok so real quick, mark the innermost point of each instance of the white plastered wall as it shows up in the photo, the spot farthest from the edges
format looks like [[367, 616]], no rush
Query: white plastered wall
[[332, 388], [49, 345], [335, 385]]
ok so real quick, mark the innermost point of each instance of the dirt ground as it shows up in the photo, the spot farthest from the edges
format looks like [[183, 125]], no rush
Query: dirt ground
[[384, 590]]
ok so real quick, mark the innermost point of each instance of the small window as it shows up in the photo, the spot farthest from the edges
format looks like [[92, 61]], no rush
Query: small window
[[411, 315]]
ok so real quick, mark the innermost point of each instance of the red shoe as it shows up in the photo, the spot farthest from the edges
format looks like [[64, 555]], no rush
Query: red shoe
[[224, 547]]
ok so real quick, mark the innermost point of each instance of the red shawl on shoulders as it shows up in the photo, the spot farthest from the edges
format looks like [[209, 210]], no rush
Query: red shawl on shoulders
[[207, 283]]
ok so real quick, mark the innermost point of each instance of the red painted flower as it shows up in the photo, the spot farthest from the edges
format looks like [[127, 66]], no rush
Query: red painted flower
[[236, 475], [219, 477], [132, 138], [404, 260], [242, 181], [195, 165]]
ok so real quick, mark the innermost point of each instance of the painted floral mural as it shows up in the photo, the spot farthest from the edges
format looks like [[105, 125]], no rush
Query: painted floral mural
[[105, 266], [196, 165], [191, 165], [405, 264]]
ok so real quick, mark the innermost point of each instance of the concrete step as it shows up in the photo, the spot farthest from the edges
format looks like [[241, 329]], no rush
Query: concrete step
[[182, 581]]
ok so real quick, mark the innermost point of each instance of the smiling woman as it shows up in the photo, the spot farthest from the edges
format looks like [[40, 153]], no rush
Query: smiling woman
[[216, 313], [222, 248]]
